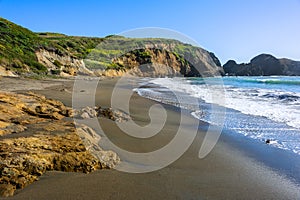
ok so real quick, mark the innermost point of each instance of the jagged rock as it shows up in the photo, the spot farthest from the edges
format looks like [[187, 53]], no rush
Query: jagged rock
[[88, 112], [7, 190], [53, 144], [108, 159], [91, 139], [19, 110], [115, 115], [23, 160]]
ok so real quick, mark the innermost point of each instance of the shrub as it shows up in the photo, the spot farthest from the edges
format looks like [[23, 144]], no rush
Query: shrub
[[57, 63], [55, 71]]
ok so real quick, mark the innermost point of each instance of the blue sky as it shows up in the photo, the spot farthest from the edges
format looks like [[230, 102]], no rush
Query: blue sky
[[232, 29]]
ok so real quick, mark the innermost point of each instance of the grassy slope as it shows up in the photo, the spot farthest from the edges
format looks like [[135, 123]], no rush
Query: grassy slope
[[114, 46], [18, 46]]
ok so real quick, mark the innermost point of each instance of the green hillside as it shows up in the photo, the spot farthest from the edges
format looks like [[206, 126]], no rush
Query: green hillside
[[103, 55], [18, 46]]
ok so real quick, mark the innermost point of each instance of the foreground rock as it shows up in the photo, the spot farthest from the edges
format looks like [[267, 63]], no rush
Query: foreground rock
[[95, 112], [18, 111], [41, 141]]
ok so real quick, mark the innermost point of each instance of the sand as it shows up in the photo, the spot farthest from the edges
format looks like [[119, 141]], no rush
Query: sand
[[230, 171]]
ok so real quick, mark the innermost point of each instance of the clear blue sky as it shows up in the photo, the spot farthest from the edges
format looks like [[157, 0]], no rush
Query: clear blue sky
[[232, 29]]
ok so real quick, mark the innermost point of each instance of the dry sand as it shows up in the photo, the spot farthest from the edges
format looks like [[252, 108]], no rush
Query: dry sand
[[226, 173]]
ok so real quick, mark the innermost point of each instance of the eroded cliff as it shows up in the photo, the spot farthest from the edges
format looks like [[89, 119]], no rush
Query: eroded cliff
[[25, 53]]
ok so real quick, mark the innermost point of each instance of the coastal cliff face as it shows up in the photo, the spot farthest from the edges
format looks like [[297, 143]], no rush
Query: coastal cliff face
[[61, 64], [148, 62], [153, 57], [152, 62], [23, 52], [263, 65]]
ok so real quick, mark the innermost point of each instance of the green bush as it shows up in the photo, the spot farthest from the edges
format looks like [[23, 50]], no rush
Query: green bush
[[57, 63], [55, 71]]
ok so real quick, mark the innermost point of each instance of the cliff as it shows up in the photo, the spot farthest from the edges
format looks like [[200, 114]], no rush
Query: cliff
[[263, 65], [152, 57], [63, 65], [23, 52], [154, 62]]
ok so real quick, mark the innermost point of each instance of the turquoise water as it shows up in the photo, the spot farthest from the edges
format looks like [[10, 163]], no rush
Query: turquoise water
[[261, 108]]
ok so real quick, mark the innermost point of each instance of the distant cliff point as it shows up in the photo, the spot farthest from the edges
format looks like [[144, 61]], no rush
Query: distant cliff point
[[263, 65]]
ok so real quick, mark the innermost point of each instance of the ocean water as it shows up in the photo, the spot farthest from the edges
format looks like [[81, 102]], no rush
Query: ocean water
[[261, 108]]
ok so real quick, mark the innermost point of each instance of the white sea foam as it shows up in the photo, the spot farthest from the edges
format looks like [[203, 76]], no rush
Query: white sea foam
[[259, 113], [248, 101]]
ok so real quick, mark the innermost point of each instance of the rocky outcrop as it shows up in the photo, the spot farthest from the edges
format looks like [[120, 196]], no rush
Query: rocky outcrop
[[291, 67], [263, 65], [115, 115], [41, 140], [18, 111], [215, 59], [153, 62], [5, 72], [61, 64]]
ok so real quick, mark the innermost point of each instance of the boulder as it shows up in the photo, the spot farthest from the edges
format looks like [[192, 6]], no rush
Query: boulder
[[112, 114], [7, 190]]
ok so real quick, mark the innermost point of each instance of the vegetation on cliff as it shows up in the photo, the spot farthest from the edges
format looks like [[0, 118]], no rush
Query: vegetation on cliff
[[18, 46], [25, 52]]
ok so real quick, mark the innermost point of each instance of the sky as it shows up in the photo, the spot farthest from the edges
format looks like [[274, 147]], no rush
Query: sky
[[232, 29]]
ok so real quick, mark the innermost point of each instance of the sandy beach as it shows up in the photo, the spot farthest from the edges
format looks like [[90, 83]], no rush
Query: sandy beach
[[234, 169]]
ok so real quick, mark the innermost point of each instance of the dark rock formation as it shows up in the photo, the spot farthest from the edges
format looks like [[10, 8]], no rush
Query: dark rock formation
[[215, 59], [291, 67], [263, 65]]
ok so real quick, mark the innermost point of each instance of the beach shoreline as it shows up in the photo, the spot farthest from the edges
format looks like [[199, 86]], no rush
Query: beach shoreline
[[233, 170]]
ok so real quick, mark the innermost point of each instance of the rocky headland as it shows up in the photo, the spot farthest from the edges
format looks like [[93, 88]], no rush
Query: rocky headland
[[263, 65]]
